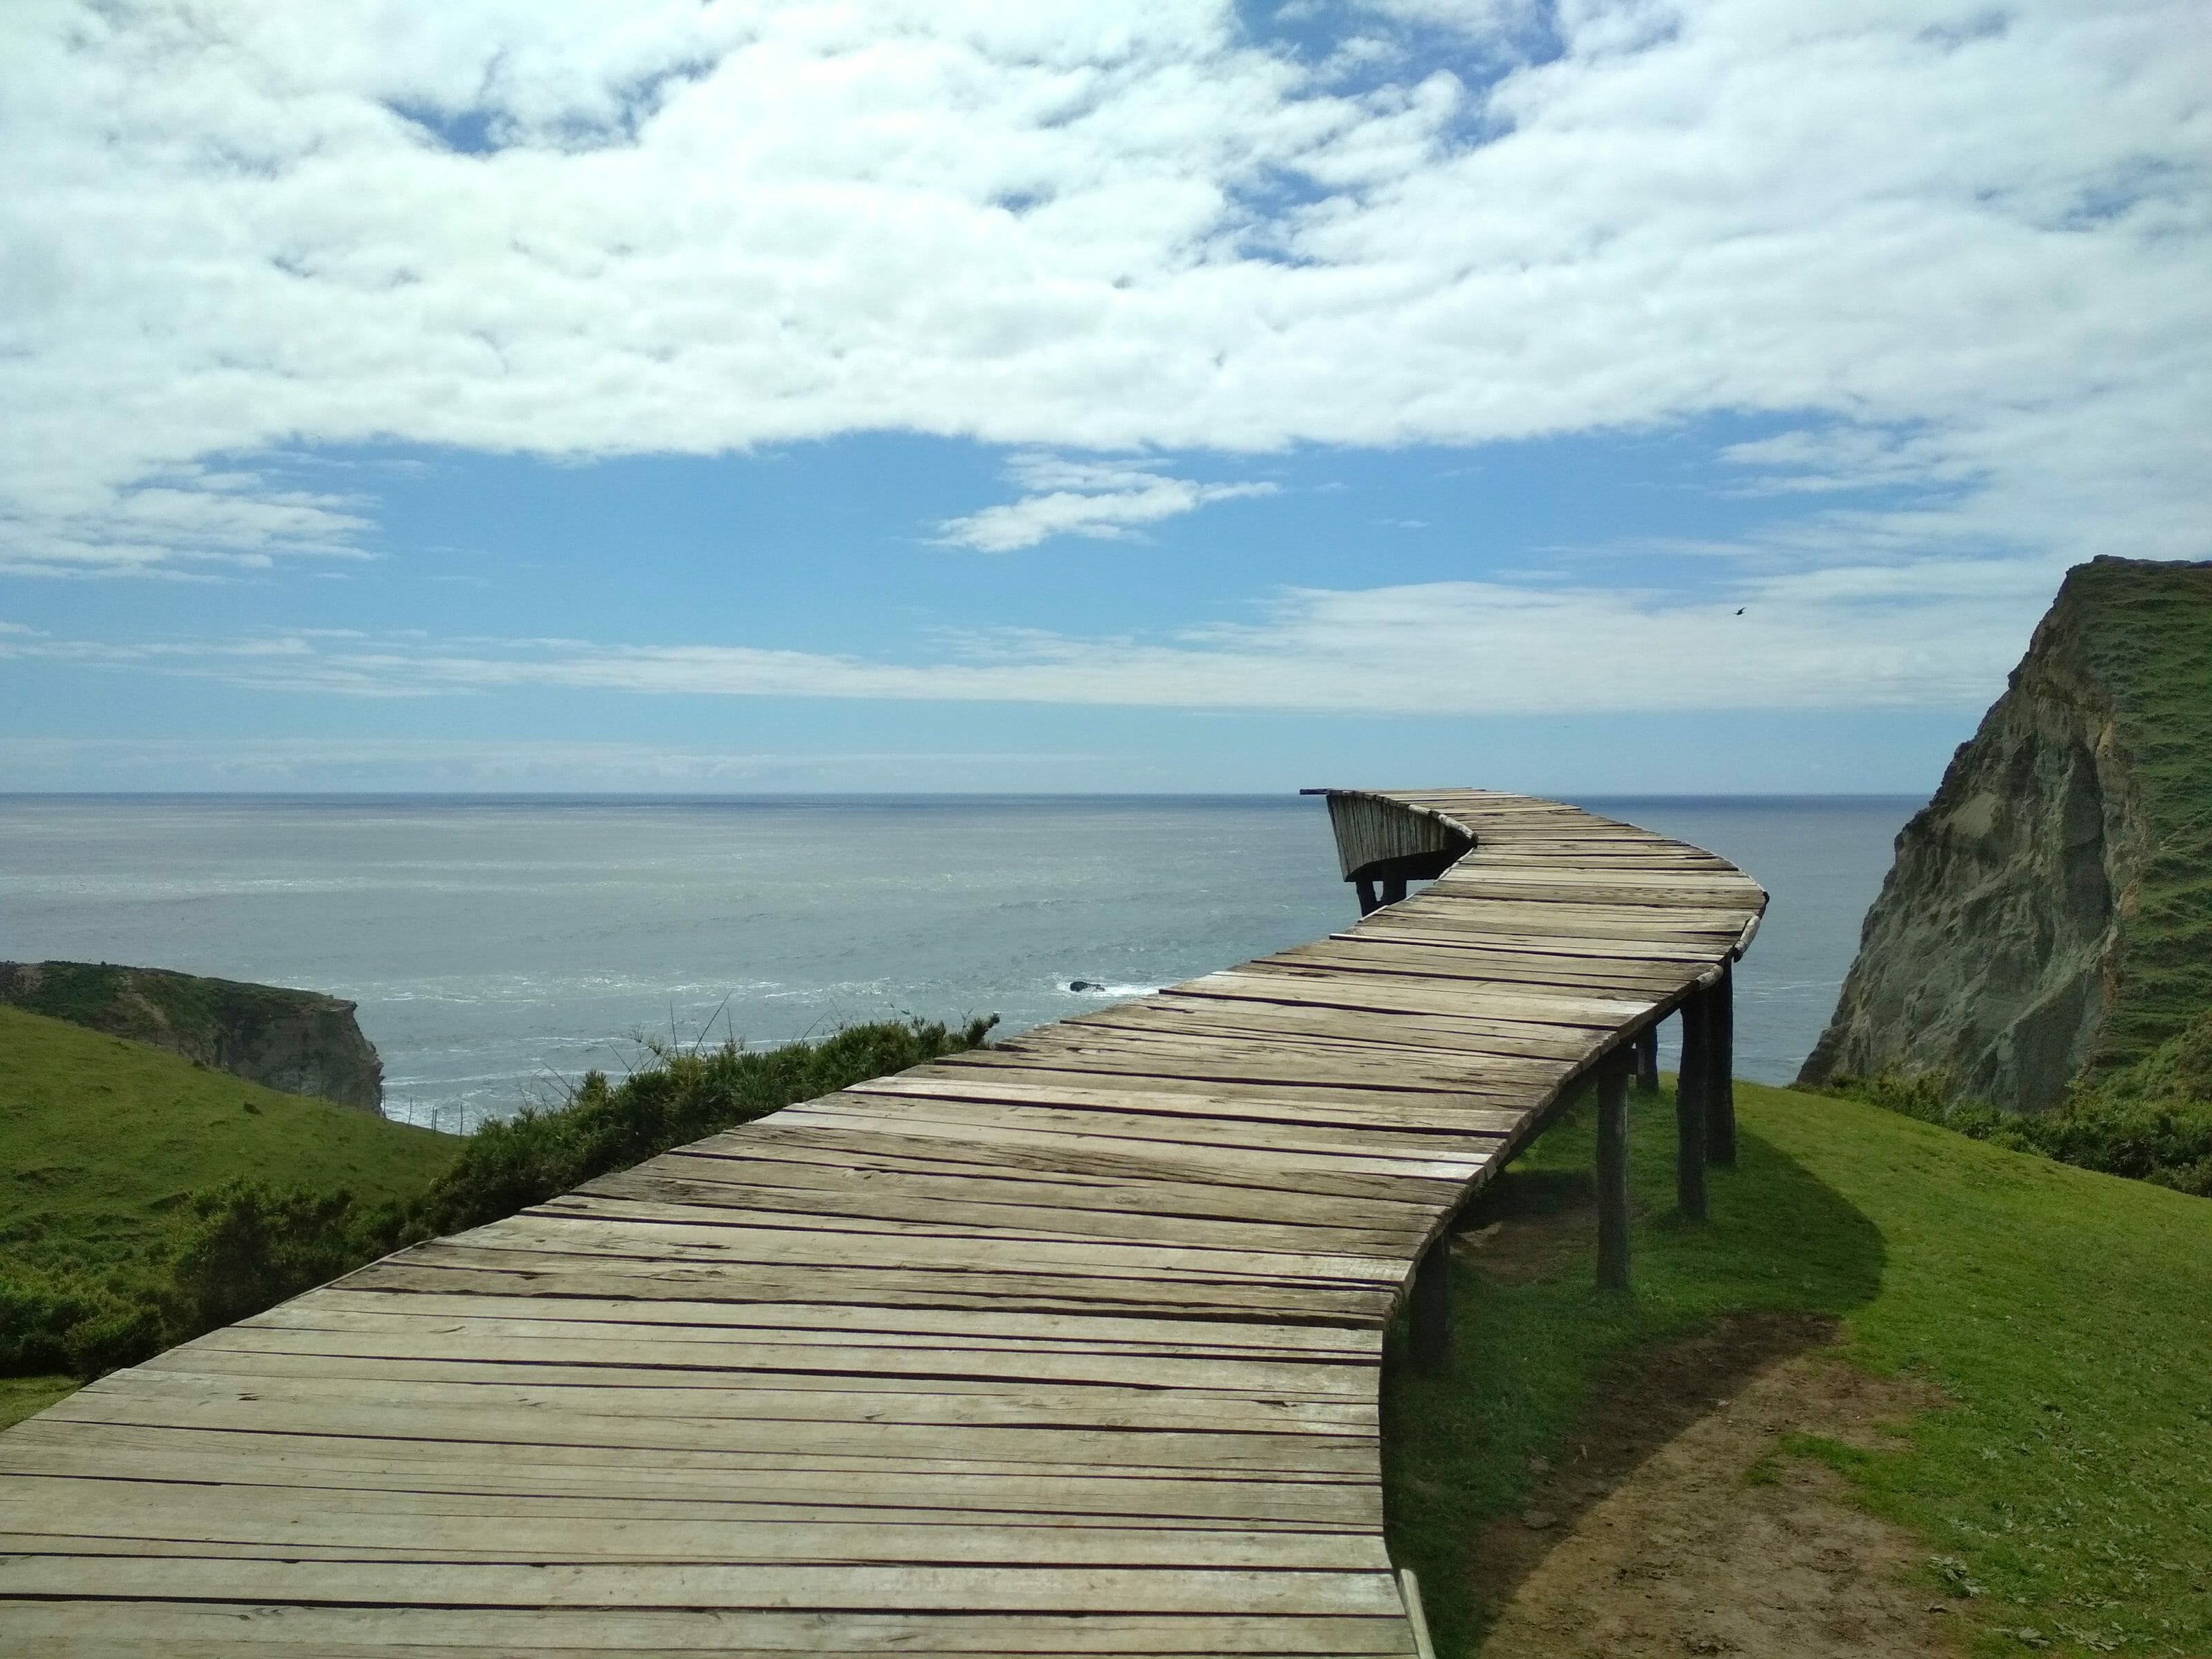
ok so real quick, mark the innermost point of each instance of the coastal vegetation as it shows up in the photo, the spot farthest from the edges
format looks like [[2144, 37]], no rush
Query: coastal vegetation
[[108, 1147], [2048, 1326], [150, 1199], [2150, 1121], [302, 1043], [2149, 639]]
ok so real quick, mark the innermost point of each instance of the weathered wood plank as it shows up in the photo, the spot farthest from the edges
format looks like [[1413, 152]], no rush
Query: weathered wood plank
[[1040, 1589], [82, 1628]]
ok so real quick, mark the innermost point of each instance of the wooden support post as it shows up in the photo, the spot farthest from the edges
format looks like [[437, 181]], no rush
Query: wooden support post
[[1429, 1323], [1696, 1070], [1647, 1060], [1720, 1066], [1613, 1174], [1690, 1133], [1369, 904], [1393, 888]]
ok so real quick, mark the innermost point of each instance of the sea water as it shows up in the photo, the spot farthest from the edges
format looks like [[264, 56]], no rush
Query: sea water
[[499, 948]]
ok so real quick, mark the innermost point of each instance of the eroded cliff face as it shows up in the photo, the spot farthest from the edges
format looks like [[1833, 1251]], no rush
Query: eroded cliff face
[[300, 1041], [1993, 953]]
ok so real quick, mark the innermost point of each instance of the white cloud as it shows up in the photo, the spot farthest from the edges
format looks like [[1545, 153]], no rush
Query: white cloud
[[1933, 634], [261, 764], [1103, 501], [1963, 252]]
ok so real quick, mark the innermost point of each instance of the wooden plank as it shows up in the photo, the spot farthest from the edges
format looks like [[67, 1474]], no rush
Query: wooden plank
[[601, 1475], [696, 1236], [179, 1401], [784, 1397], [1567, 918], [456, 1270], [1379, 1147], [1435, 1042], [1128, 1160], [1256, 1003], [863, 1204], [1569, 1036], [1579, 1010], [573, 1356], [799, 1177], [1476, 960], [1044, 1589], [1444, 932], [154, 1519], [1245, 1062], [40, 1500], [1012, 1131], [337, 1307], [1350, 1109], [82, 1628]]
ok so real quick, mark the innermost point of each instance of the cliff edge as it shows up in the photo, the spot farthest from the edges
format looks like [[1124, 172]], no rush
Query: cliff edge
[[299, 1042], [2050, 912]]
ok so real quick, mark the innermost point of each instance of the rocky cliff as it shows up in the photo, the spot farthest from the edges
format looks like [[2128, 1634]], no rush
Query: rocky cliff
[[300, 1041], [2050, 911]]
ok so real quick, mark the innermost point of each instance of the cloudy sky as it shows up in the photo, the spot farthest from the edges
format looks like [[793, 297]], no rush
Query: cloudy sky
[[1574, 395]]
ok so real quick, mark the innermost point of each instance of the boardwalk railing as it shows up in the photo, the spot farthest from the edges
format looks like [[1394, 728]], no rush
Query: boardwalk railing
[[1069, 1346]]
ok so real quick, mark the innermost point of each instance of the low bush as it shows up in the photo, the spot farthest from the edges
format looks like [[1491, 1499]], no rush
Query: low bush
[[58, 1320], [682, 1097], [2151, 1121]]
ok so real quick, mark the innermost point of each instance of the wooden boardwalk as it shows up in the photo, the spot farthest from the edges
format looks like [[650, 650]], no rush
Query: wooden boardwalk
[[1069, 1346]]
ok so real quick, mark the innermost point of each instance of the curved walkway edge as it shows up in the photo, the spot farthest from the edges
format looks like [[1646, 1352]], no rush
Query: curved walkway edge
[[1067, 1346]]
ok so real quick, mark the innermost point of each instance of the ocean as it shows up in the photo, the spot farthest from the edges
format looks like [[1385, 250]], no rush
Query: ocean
[[499, 948]]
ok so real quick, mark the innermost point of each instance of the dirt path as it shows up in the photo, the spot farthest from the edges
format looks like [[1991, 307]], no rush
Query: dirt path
[[1654, 1536]]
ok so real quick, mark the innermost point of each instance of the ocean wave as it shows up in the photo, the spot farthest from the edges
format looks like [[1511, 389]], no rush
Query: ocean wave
[[1095, 991]]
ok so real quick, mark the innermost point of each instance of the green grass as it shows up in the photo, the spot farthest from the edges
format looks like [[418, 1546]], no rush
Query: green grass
[[2066, 1317], [23, 1396], [2147, 629], [101, 1138], [2151, 1119]]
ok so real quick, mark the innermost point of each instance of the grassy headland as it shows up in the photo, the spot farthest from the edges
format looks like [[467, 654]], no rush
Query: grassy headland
[[101, 1138], [107, 1148], [2061, 1318], [2148, 628]]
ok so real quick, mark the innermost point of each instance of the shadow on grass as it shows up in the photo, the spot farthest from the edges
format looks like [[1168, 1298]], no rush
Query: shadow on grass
[[1548, 1374]]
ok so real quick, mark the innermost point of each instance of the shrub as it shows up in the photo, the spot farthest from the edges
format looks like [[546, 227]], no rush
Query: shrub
[[245, 1246], [65, 1321], [2152, 1122], [684, 1096]]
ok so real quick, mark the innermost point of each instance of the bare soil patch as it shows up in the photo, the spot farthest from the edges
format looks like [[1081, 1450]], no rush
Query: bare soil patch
[[1671, 1526]]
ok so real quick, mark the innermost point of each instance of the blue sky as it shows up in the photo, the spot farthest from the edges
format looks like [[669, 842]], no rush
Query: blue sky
[[1598, 396]]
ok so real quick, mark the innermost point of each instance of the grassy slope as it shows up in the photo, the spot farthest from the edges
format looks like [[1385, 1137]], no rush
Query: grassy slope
[[2148, 627], [98, 1136], [2065, 1314]]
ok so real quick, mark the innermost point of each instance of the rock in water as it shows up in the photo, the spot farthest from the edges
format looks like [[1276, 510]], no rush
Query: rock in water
[[2050, 911], [300, 1042]]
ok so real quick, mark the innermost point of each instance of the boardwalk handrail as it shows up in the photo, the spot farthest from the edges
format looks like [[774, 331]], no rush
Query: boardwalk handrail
[[1071, 1345]]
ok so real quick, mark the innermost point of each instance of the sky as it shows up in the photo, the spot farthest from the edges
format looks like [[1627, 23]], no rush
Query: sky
[[1598, 396]]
